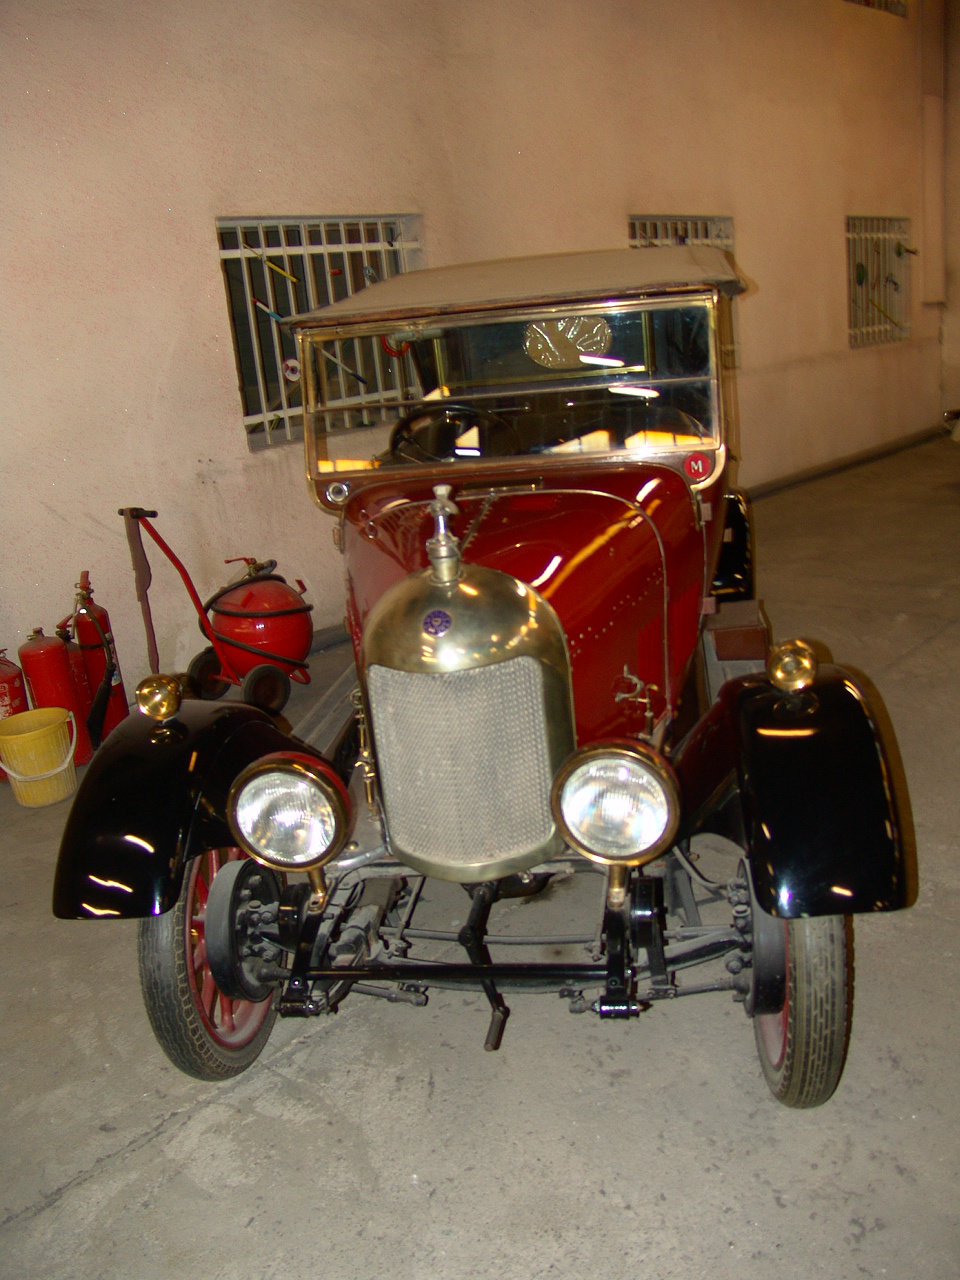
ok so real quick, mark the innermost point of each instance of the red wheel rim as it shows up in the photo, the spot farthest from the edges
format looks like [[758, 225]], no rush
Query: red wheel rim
[[773, 1026], [232, 1024]]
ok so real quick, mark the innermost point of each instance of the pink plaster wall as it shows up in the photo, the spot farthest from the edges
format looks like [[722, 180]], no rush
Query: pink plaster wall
[[951, 315], [512, 126]]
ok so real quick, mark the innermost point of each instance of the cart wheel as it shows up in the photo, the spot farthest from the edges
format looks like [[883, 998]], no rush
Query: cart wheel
[[266, 687], [803, 1047], [204, 676], [203, 1032]]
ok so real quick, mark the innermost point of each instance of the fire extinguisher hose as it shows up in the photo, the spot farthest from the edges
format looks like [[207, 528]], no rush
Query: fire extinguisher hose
[[243, 582], [98, 710], [264, 654]]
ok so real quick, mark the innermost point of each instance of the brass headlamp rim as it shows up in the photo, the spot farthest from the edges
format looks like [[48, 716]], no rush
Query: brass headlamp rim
[[633, 753], [298, 766]]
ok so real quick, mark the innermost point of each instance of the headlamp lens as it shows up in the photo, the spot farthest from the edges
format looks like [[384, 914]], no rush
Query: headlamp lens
[[618, 807], [286, 818]]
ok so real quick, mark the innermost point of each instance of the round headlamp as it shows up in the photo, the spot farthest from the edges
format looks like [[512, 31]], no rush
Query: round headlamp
[[617, 804], [289, 812]]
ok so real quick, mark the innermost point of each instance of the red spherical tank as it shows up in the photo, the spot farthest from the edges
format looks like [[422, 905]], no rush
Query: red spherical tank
[[262, 620]]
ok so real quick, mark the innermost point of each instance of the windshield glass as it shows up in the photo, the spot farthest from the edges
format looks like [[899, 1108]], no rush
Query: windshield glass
[[635, 378]]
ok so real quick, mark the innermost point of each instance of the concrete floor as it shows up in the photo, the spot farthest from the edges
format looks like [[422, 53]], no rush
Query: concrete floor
[[385, 1143]]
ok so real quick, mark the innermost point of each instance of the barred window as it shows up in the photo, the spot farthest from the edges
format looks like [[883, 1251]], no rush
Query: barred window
[[647, 230], [899, 7], [278, 267], [878, 255], [657, 230]]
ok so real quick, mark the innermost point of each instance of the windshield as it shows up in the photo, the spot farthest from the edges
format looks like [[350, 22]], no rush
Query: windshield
[[634, 378]]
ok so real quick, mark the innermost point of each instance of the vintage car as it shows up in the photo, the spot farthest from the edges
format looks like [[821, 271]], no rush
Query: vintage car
[[565, 706]]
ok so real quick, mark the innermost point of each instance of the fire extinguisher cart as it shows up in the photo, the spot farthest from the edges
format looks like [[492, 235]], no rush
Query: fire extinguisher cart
[[258, 627]]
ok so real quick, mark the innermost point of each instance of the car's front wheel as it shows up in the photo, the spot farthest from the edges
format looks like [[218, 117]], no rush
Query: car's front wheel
[[803, 1047], [202, 1031]]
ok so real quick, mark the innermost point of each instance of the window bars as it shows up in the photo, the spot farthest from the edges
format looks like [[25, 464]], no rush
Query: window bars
[[878, 251], [659, 230], [646, 230], [278, 267], [898, 7]]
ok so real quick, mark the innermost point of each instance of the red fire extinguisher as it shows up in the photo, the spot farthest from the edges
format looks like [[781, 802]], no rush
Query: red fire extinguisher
[[46, 668], [13, 696], [92, 623], [77, 668]]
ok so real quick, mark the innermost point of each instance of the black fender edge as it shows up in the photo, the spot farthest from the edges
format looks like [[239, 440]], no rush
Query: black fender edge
[[809, 795], [153, 796]]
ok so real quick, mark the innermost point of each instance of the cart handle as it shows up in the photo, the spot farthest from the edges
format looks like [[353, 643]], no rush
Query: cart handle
[[142, 579], [143, 518]]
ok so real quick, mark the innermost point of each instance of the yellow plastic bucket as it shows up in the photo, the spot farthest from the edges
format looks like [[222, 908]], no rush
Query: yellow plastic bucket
[[36, 750]]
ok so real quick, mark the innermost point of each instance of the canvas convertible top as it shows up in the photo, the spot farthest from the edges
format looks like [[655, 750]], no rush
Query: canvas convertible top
[[507, 282]]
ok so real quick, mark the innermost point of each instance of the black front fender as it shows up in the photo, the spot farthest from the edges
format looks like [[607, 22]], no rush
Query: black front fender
[[153, 796], [809, 783]]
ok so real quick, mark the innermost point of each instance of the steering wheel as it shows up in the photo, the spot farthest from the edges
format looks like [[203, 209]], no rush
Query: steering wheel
[[449, 419]]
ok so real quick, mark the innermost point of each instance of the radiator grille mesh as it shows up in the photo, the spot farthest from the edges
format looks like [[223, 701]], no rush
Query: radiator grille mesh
[[464, 760]]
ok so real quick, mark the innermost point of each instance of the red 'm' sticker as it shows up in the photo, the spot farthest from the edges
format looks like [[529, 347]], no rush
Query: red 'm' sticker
[[697, 466]]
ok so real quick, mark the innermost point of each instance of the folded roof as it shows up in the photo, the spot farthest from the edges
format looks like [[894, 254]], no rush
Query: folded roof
[[507, 282]]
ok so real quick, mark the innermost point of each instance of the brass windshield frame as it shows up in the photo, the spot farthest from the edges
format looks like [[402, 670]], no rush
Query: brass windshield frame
[[325, 472]]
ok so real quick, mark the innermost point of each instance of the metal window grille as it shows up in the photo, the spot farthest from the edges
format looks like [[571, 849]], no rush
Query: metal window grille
[[278, 267], [899, 7], [649, 231], [877, 278], [646, 230]]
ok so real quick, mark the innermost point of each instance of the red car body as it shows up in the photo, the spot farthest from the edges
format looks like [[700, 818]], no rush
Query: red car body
[[560, 667]]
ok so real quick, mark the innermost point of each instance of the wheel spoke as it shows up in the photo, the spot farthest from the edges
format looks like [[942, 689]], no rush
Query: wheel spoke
[[204, 1032], [773, 1031], [227, 1007], [208, 997]]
